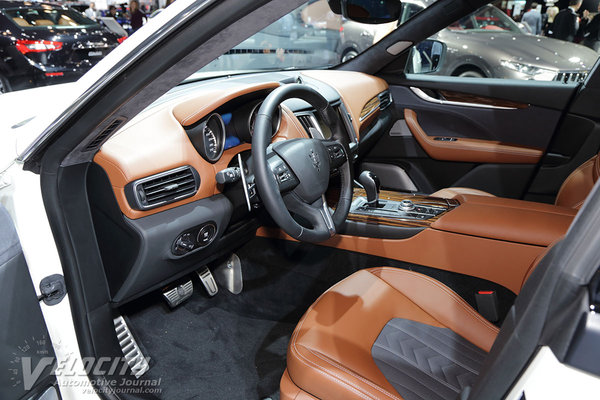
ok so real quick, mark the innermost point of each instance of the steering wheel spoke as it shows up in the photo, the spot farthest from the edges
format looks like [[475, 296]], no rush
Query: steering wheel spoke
[[317, 213]]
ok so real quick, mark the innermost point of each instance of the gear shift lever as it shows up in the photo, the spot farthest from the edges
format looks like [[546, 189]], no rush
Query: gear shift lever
[[370, 182]]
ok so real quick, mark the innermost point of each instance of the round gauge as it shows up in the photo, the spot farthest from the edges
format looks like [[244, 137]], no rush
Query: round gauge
[[209, 137], [254, 113]]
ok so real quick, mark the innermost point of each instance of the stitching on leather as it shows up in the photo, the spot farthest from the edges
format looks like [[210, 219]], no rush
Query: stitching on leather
[[310, 363], [350, 372], [330, 374], [449, 292]]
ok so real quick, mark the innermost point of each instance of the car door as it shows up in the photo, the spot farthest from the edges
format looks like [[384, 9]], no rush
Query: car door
[[510, 137], [27, 359]]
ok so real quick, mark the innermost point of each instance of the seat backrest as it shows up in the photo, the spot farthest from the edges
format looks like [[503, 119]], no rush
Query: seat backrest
[[578, 185], [549, 308]]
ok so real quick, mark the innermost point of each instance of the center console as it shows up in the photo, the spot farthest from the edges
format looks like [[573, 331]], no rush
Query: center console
[[399, 209]]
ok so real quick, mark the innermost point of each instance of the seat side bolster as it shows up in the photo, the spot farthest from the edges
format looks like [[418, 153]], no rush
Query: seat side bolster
[[578, 185], [442, 304]]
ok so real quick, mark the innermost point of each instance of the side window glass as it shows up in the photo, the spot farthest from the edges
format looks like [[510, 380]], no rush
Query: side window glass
[[490, 44]]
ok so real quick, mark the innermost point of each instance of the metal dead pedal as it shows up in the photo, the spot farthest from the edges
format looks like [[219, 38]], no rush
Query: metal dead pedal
[[133, 355], [207, 279], [229, 274], [178, 294]]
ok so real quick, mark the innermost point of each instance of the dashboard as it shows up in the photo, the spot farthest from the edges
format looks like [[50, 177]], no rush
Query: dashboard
[[180, 172]]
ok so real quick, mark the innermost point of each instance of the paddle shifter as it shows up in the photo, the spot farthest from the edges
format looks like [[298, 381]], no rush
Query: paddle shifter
[[370, 182]]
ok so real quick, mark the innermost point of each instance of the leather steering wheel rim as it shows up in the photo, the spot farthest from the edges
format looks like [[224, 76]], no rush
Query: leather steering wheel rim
[[278, 205]]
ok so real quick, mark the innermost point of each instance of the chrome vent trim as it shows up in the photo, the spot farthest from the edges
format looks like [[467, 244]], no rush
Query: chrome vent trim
[[571, 76], [104, 135], [163, 188], [133, 355]]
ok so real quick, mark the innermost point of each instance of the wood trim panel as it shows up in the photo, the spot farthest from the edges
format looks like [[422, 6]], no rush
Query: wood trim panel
[[395, 196], [470, 150], [476, 99], [355, 89], [505, 263]]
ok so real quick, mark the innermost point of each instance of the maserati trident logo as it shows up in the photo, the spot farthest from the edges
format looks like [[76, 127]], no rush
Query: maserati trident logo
[[314, 157]]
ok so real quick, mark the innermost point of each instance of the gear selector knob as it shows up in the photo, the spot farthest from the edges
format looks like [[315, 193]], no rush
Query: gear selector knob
[[370, 182]]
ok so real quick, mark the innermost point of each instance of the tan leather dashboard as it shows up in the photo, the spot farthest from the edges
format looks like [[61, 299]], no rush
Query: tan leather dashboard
[[156, 141], [470, 150]]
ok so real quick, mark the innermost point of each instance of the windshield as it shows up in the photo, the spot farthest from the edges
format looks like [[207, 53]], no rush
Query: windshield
[[310, 37], [487, 18], [48, 17]]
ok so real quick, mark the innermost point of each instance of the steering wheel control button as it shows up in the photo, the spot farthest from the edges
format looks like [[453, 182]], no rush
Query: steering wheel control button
[[407, 205]]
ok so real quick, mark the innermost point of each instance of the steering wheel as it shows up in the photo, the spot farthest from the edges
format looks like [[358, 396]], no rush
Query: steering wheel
[[293, 175]]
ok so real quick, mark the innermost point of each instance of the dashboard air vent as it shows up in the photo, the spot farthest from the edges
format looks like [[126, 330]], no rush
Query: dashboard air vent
[[307, 122], [385, 99], [164, 188], [105, 134]]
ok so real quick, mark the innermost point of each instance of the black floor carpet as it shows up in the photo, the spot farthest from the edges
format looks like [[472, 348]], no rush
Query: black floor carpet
[[234, 346]]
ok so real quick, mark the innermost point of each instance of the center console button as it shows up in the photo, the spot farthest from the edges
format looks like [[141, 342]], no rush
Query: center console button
[[407, 205]]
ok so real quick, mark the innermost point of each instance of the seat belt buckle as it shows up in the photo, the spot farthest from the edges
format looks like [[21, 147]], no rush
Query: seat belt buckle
[[487, 304]]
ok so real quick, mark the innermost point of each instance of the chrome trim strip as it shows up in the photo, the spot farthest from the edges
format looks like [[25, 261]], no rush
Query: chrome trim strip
[[424, 96], [243, 175]]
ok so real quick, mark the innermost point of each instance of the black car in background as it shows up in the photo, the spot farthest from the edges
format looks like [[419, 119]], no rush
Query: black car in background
[[43, 44]]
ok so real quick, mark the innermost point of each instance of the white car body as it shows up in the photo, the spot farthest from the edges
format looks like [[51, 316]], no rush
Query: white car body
[[27, 114]]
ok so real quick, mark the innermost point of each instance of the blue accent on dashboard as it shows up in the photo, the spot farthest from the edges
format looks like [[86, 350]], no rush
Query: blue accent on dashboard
[[226, 118], [232, 141]]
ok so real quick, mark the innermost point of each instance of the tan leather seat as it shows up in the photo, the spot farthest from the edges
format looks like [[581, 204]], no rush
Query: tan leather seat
[[332, 352], [572, 193]]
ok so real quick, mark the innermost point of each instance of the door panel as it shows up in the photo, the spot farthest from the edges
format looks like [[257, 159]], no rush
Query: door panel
[[487, 134], [26, 353]]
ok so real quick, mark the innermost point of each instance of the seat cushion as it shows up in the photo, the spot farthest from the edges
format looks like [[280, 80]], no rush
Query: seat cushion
[[449, 193], [330, 355]]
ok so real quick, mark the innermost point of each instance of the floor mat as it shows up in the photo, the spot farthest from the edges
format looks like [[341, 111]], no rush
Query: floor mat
[[234, 346]]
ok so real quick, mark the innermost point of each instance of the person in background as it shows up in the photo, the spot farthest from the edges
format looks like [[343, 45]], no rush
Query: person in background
[[551, 13], [90, 12], [533, 18], [135, 15], [566, 22], [591, 30], [112, 12]]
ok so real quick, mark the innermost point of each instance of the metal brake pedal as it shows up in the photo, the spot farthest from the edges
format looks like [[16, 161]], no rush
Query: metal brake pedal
[[133, 355], [178, 294], [207, 279]]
